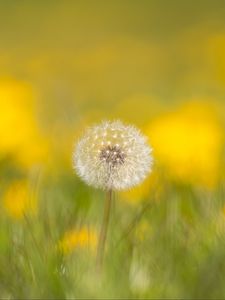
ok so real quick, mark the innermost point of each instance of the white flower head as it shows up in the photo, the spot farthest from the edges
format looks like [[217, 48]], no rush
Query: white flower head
[[112, 155]]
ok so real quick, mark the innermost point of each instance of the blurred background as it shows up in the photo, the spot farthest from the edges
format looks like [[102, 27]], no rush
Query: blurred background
[[159, 65]]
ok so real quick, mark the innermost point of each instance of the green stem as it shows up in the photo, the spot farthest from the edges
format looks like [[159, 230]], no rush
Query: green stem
[[104, 229]]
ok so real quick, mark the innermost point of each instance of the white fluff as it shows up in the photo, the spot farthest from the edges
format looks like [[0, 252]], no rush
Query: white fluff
[[113, 156]]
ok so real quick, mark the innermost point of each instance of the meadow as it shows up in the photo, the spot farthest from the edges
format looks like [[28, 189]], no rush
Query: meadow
[[159, 65]]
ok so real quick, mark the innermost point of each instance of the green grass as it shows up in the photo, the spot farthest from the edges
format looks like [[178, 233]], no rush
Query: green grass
[[180, 253]]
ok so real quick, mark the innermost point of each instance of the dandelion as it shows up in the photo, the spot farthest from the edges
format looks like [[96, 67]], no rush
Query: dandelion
[[112, 156]]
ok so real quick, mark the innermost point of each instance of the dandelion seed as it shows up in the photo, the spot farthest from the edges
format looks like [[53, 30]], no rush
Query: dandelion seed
[[118, 165]]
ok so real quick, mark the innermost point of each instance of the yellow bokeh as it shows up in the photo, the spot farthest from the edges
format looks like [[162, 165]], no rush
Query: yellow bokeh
[[83, 238], [16, 119], [18, 200], [188, 143], [19, 132]]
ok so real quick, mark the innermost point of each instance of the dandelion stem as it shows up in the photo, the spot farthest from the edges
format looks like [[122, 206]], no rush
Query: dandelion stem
[[104, 229]]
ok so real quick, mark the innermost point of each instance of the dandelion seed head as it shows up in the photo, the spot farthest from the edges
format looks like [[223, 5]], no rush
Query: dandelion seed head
[[120, 158]]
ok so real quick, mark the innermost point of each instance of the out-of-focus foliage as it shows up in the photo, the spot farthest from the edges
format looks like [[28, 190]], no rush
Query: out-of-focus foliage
[[67, 64]]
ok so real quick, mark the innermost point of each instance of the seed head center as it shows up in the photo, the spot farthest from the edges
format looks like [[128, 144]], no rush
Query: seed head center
[[112, 155]]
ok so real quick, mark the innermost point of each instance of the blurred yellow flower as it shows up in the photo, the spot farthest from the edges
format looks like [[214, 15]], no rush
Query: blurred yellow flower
[[19, 132], [19, 200], [83, 238], [188, 143]]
